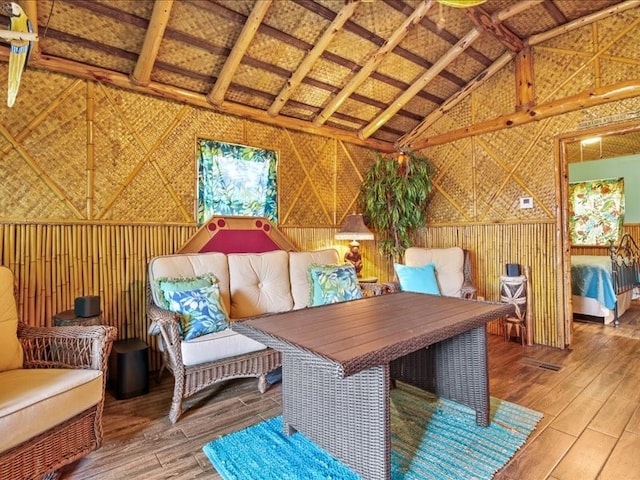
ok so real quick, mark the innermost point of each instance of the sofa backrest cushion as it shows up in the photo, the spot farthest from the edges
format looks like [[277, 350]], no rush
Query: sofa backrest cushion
[[299, 263], [10, 347], [190, 265], [449, 263], [259, 283]]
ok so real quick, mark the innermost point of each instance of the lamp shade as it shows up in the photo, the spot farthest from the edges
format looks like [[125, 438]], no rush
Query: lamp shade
[[354, 228]]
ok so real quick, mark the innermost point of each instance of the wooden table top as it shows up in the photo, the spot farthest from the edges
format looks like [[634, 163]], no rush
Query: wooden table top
[[372, 331]]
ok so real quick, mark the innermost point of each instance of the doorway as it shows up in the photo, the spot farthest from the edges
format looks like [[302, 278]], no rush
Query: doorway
[[613, 140]]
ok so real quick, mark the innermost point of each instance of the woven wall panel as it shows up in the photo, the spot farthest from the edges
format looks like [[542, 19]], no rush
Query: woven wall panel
[[496, 98]]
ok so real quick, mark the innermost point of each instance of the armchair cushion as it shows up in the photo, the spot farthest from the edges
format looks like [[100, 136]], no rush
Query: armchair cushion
[[449, 266], [35, 400], [333, 283], [10, 347], [418, 279], [201, 310]]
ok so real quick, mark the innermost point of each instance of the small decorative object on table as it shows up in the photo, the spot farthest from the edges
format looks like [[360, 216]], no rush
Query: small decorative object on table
[[86, 312], [354, 229]]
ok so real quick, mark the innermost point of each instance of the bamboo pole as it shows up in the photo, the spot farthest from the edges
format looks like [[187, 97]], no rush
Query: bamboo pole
[[240, 46], [586, 99], [529, 320], [373, 63], [152, 39]]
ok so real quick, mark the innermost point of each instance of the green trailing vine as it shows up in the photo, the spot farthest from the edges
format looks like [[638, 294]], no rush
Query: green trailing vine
[[394, 196]]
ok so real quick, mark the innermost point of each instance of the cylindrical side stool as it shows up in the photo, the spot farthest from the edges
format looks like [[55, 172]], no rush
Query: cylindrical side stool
[[514, 290], [129, 368]]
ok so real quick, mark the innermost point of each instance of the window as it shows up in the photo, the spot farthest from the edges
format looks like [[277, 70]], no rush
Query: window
[[236, 180]]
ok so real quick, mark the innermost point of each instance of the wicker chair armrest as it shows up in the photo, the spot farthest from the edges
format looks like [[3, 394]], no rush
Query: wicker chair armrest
[[392, 287], [373, 289], [66, 347], [468, 290], [165, 324]]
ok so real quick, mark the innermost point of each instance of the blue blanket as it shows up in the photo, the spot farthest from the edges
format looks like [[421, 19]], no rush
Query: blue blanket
[[591, 277]]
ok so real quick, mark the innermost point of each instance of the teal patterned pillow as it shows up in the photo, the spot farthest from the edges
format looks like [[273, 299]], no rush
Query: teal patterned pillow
[[333, 283], [182, 284], [201, 311]]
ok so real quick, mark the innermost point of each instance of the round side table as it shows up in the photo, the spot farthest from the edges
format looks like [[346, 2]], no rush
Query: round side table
[[68, 318]]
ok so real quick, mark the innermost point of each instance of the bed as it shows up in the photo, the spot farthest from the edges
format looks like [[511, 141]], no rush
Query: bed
[[603, 286]]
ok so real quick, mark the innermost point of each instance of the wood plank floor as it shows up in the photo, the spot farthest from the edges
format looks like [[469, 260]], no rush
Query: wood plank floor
[[589, 394]]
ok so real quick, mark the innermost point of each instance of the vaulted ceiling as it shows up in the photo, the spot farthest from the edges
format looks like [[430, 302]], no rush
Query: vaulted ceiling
[[373, 72]]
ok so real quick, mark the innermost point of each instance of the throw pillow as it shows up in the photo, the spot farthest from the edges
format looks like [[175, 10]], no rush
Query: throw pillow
[[182, 284], [417, 279], [201, 311], [333, 283]]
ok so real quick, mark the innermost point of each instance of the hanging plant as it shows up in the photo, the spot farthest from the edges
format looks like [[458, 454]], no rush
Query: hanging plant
[[394, 196]]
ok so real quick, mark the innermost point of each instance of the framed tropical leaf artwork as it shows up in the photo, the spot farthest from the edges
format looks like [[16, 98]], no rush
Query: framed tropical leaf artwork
[[596, 212], [236, 180]]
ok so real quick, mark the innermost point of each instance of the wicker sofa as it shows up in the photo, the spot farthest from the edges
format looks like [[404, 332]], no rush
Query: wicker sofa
[[52, 384], [250, 284], [452, 268]]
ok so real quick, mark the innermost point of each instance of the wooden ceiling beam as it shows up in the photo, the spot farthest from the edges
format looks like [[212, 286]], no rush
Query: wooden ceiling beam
[[411, 140], [141, 74], [484, 21], [108, 77], [31, 10], [553, 10], [240, 46], [443, 33], [586, 99], [525, 80], [374, 61], [453, 53], [362, 32], [408, 140], [307, 63]]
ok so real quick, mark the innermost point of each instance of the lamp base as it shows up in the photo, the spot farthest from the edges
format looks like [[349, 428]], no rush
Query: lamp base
[[354, 257]]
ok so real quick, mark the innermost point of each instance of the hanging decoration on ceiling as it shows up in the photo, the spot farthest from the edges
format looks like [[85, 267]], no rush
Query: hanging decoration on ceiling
[[21, 38]]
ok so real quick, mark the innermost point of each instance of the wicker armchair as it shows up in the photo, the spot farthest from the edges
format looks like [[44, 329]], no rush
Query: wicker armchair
[[190, 379], [468, 288], [60, 348]]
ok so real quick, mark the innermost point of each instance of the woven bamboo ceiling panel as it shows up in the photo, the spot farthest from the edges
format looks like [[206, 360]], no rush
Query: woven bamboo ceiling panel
[[365, 71]]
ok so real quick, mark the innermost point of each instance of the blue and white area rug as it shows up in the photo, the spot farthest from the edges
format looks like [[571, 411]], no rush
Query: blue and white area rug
[[431, 438]]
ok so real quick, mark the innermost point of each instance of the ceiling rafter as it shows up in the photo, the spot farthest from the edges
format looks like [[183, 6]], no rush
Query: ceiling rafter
[[141, 74], [412, 140], [231, 64], [307, 63], [374, 61], [495, 28]]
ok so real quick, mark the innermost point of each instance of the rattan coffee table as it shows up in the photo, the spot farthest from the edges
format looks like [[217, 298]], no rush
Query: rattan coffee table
[[339, 361]]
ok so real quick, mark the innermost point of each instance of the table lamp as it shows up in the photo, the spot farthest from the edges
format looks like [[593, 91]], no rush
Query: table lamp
[[354, 229]]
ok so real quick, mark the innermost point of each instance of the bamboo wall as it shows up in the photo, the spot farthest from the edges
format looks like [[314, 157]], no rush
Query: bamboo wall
[[97, 180]]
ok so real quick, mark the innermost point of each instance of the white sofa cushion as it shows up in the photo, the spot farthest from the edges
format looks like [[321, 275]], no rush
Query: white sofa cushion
[[449, 263], [188, 265], [259, 283], [10, 347], [35, 400], [215, 346], [299, 263]]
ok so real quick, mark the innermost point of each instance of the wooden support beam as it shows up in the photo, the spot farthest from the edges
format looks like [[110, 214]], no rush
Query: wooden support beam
[[407, 140], [484, 21], [453, 53], [586, 99], [307, 63], [108, 77], [30, 8], [525, 86], [219, 90], [370, 66], [582, 21], [141, 74]]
